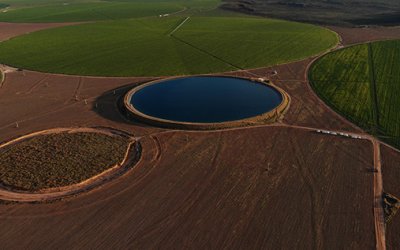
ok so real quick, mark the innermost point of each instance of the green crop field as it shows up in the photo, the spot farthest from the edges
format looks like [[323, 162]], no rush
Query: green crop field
[[249, 43], [149, 47], [81, 10], [363, 84], [87, 12], [130, 39]]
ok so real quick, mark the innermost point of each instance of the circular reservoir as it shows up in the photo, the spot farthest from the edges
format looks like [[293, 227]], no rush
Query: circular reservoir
[[203, 99]]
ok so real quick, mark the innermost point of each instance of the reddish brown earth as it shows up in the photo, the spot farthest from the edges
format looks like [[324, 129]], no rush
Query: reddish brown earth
[[265, 187], [362, 35], [191, 190], [391, 185], [9, 30], [39, 101], [213, 190]]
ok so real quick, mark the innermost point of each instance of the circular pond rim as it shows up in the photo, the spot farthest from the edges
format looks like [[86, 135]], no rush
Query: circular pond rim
[[264, 118]]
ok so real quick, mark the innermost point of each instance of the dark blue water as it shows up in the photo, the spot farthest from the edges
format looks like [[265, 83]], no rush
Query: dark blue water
[[206, 99]]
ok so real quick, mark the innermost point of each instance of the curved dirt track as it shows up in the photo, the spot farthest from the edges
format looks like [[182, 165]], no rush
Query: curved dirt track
[[132, 156], [352, 36]]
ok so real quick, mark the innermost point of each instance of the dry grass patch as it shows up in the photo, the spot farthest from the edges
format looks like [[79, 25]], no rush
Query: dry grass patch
[[56, 160]]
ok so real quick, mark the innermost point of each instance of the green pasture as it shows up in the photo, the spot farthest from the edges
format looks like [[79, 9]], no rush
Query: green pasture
[[363, 84], [146, 47], [91, 10], [75, 12]]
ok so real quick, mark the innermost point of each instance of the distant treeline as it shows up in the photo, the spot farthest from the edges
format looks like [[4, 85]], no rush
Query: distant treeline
[[330, 12]]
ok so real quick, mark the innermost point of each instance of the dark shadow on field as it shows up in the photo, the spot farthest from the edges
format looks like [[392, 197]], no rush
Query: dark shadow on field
[[110, 105]]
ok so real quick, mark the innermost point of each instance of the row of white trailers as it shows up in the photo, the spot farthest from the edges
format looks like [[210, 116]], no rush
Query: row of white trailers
[[339, 134]]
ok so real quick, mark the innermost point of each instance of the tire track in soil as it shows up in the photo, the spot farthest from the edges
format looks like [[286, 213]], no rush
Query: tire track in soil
[[39, 115], [200, 190], [46, 113], [140, 163], [308, 179], [173, 214], [157, 143], [36, 85], [207, 53], [301, 107], [77, 90], [291, 71]]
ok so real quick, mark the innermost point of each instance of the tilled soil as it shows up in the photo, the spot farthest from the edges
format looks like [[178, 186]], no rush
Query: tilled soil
[[249, 188], [368, 34], [391, 177]]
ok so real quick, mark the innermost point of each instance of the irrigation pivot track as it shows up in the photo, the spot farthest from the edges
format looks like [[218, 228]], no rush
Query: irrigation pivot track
[[180, 25], [373, 89]]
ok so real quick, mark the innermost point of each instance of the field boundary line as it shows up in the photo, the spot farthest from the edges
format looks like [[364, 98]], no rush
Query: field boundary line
[[37, 84], [374, 95], [179, 11], [238, 69], [180, 25], [78, 88], [103, 15], [379, 215]]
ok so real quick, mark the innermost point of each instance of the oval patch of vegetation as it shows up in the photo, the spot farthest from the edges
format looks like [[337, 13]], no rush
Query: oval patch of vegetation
[[362, 83], [166, 46], [57, 160]]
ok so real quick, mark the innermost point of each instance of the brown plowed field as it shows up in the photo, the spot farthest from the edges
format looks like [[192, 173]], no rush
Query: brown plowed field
[[267, 187], [363, 35], [213, 190], [391, 185], [39, 101]]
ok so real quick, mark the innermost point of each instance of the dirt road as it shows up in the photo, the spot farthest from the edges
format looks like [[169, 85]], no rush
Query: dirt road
[[378, 204], [180, 25]]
